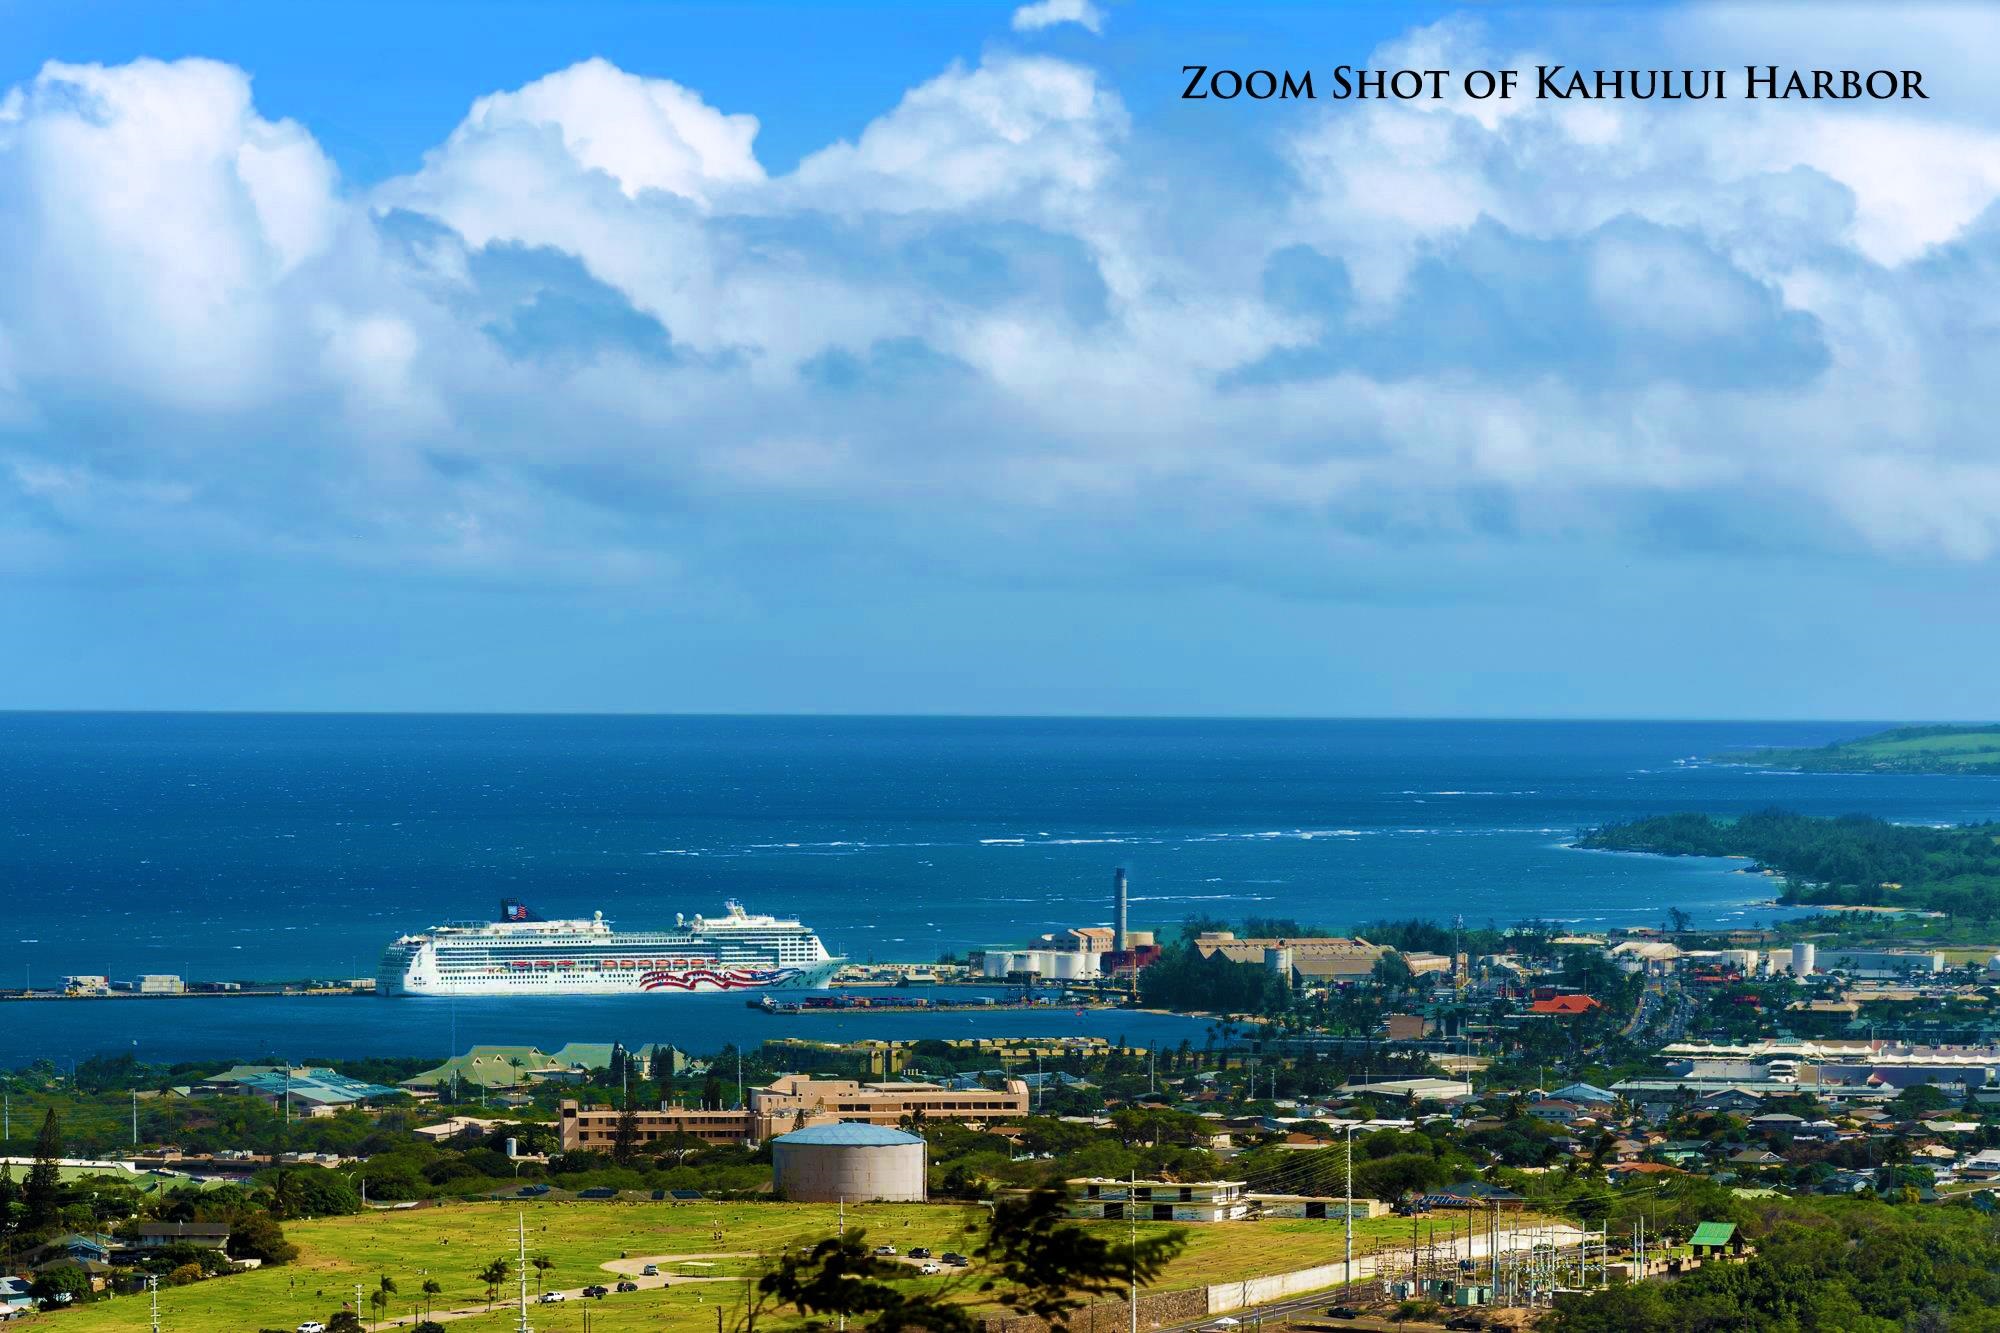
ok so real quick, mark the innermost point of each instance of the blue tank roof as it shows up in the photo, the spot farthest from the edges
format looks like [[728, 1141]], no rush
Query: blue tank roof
[[849, 1135]]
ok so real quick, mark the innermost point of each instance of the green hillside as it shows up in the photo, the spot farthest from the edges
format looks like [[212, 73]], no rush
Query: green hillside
[[1947, 748]]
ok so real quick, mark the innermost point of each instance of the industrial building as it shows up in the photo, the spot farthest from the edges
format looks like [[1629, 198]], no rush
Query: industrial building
[[1310, 960], [1082, 953], [848, 1163], [1158, 1200], [884, 1057]]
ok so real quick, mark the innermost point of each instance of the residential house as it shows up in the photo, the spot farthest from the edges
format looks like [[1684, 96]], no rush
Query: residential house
[[1316, 1207], [165, 1235], [1158, 1200], [1717, 1240]]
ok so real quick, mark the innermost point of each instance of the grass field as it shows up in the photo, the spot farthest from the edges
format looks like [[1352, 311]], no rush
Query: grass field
[[452, 1243]]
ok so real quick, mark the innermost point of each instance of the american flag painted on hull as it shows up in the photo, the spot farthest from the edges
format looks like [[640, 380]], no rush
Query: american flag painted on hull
[[741, 978]]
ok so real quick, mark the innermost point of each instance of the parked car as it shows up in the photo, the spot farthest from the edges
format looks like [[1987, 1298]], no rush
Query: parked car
[[1465, 1321], [920, 1252], [597, 1293], [553, 1298], [886, 1251], [1343, 1312], [650, 1270], [628, 1285], [954, 1259], [312, 1326], [930, 1268]]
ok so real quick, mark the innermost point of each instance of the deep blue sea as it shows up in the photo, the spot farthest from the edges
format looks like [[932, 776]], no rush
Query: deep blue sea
[[252, 846]]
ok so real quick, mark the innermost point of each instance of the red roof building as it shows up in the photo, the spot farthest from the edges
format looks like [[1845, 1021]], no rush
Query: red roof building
[[1564, 1004]]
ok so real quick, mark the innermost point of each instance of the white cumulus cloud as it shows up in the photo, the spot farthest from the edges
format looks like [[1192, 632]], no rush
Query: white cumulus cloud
[[1049, 13]]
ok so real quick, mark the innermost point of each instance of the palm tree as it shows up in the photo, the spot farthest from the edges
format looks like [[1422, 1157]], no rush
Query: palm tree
[[493, 1275], [432, 1288], [380, 1301], [541, 1263]]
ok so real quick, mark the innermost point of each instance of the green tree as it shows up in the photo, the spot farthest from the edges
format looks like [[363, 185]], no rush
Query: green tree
[[255, 1234], [61, 1284], [344, 1321], [625, 1145], [663, 1071], [541, 1263], [43, 1193], [432, 1290], [1032, 1261]]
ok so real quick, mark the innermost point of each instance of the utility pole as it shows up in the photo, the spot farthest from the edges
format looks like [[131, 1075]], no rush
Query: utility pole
[[153, 1292], [1132, 1220], [1347, 1212], [521, 1224]]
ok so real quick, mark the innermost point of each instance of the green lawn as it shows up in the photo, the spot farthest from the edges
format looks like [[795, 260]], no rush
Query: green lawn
[[451, 1243]]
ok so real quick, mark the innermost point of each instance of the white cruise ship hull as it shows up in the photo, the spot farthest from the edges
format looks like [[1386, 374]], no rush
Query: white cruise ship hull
[[414, 979], [527, 956]]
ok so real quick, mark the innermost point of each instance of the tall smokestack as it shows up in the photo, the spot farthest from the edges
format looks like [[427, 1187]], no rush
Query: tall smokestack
[[1119, 901]]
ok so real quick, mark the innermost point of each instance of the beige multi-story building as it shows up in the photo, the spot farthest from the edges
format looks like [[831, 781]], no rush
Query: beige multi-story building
[[884, 1103], [595, 1128], [794, 1101]]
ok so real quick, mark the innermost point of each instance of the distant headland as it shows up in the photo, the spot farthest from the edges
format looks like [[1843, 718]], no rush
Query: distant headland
[[1945, 748]]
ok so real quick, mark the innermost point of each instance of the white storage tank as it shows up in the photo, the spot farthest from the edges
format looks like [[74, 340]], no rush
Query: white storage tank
[[1069, 966], [852, 1162], [1804, 960]]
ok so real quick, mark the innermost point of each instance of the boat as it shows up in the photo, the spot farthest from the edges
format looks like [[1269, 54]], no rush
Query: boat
[[522, 954]]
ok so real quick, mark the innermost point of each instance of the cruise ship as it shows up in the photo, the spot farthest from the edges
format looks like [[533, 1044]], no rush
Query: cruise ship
[[521, 954]]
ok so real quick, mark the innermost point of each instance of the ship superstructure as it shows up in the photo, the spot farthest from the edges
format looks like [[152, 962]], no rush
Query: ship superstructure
[[520, 954]]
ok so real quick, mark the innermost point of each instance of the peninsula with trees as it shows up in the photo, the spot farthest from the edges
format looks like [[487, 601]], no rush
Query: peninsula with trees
[[1850, 860], [1943, 748]]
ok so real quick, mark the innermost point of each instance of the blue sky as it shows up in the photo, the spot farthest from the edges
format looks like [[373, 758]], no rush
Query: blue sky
[[850, 357]]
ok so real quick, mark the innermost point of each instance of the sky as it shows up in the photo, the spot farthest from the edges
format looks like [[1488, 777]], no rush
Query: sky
[[876, 358]]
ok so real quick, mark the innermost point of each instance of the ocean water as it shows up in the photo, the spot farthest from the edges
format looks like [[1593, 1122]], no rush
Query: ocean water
[[252, 846]]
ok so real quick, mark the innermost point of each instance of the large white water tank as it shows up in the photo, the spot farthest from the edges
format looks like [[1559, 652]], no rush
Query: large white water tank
[[1804, 959], [851, 1162]]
